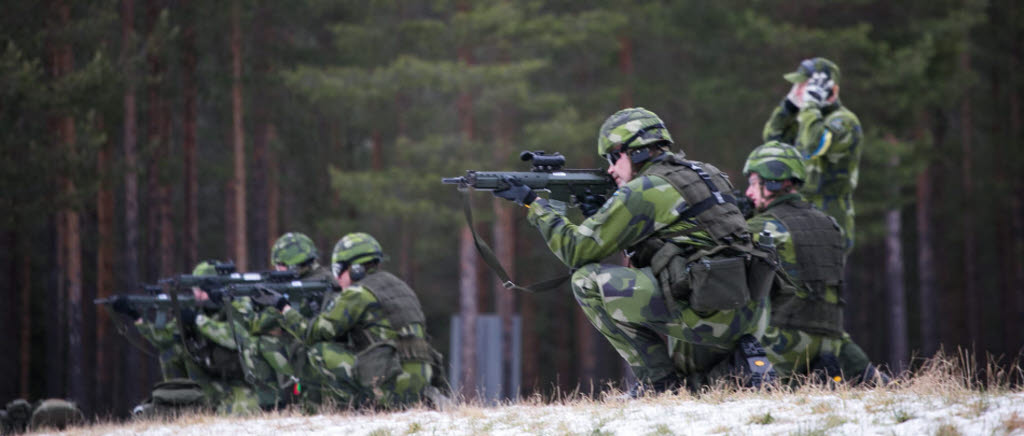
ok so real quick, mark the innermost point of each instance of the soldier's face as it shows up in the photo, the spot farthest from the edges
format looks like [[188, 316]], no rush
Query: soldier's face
[[756, 191], [621, 170], [199, 294], [281, 267], [344, 280]]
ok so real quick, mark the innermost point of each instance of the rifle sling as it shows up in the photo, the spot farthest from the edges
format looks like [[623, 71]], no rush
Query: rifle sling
[[122, 328], [492, 261]]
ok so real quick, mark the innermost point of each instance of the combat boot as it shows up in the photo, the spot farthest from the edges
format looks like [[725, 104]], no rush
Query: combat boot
[[748, 366], [825, 369]]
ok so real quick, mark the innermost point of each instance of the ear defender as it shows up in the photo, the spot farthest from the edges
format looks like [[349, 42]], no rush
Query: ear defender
[[357, 272], [773, 185]]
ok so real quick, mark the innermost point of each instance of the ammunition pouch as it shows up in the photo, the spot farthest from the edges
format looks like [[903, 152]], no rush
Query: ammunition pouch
[[812, 315], [377, 363], [722, 278], [718, 283]]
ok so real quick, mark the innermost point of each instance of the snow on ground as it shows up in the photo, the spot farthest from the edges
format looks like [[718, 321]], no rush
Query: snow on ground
[[849, 412]]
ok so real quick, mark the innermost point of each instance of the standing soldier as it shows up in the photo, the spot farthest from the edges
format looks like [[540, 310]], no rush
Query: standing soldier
[[369, 345], [827, 135], [806, 332], [688, 245]]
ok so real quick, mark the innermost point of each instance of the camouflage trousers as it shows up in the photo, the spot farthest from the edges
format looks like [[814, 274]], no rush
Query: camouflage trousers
[[173, 361], [839, 207], [373, 376], [792, 352], [628, 307]]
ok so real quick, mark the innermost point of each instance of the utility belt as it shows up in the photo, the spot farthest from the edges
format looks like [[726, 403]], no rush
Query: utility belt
[[725, 277], [383, 360]]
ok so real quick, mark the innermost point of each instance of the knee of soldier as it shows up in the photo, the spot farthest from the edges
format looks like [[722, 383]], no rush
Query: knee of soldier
[[584, 282]]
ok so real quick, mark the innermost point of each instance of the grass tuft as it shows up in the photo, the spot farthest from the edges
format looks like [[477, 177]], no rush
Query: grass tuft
[[901, 416], [1013, 423], [947, 430], [765, 419]]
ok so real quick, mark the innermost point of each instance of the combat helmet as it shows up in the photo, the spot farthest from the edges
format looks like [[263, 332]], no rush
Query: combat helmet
[[205, 268], [293, 249], [776, 162], [355, 249], [634, 127], [808, 67]]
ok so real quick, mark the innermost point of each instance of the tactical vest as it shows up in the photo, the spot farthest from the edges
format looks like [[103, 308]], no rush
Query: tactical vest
[[706, 192], [818, 244], [401, 308], [723, 277]]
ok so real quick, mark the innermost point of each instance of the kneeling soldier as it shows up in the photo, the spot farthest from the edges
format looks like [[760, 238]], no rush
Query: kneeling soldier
[[806, 332], [369, 344]]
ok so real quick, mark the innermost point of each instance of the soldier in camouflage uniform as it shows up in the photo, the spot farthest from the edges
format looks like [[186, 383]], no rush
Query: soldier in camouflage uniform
[[369, 345], [828, 135], [211, 358], [669, 214], [806, 332]]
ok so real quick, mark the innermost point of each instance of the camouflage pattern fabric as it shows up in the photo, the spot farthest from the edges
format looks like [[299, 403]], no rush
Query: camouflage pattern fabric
[[639, 126], [170, 352], [829, 138], [626, 304], [293, 249], [340, 340], [792, 350]]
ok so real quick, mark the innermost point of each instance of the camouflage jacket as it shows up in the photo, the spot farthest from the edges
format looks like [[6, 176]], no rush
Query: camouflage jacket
[[645, 207], [354, 317], [829, 139]]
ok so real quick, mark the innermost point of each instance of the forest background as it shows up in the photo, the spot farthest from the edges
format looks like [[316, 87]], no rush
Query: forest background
[[141, 136]]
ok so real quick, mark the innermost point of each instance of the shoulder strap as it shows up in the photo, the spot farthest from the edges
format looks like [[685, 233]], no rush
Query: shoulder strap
[[495, 265]]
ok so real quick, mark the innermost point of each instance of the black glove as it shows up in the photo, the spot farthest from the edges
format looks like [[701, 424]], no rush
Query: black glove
[[591, 203], [188, 317], [123, 306], [516, 191], [269, 297], [216, 296]]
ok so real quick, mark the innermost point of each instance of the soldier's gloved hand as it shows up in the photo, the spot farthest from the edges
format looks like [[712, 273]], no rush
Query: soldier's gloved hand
[[794, 99], [123, 306], [188, 316], [269, 297], [216, 296], [817, 88], [516, 191], [591, 203]]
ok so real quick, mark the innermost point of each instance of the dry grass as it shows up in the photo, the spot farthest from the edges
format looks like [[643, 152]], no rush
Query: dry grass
[[952, 380]]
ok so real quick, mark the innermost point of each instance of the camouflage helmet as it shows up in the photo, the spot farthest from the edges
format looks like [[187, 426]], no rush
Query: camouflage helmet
[[808, 67], [356, 248], [631, 128], [776, 161], [205, 268], [293, 249]]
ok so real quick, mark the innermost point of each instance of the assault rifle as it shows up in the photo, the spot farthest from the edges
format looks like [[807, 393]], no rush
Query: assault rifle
[[569, 186], [744, 203], [547, 174], [186, 282]]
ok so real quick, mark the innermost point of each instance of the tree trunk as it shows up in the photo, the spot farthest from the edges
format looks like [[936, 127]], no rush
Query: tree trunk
[[70, 241], [626, 68], [927, 294], [239, 251], [273, 192], [895, 290], [9, 320], [56, 327], [970, 254], [129, 385], [1015, 337], [468, 312], [505, 252], [25, 273], [104, 334], [586, 351], [189, 133], [468, 273]]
